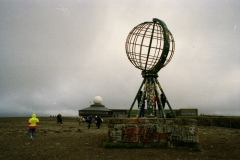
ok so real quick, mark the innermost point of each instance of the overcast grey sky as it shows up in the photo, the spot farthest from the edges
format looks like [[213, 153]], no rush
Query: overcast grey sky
[[57, 55]]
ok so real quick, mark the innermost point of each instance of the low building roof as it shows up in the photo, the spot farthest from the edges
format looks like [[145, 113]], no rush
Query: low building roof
[[96, 107]]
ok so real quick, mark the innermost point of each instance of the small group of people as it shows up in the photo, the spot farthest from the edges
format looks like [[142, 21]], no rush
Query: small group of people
[[34, 121], [141, 97], [97, 120]]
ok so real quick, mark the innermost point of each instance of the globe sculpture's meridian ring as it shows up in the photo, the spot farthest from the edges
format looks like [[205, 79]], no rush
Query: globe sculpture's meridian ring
[[172, 49], [165, 51]]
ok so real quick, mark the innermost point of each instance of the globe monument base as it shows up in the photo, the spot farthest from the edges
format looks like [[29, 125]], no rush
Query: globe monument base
[[155, 132]]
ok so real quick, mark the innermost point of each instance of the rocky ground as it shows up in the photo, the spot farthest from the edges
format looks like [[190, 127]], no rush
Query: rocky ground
[[68, 141]]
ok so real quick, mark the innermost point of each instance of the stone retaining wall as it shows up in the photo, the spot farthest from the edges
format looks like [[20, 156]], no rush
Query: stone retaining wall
[[167, 132]]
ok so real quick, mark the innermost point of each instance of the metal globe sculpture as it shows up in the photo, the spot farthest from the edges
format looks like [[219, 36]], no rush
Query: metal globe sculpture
[[149, 47]]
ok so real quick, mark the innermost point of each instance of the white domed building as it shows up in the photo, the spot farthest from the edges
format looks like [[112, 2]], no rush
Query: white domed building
[[95, 109]]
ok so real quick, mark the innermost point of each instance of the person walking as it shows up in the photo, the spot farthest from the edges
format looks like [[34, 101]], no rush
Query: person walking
[[98, 122], [59, 119], [89, 121], [32, 124]]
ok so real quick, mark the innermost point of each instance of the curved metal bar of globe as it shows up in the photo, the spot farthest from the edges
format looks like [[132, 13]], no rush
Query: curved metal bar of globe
[[171, 50], [130, 110], [165, 51], [150, 44], [166, 98], [142, 99], [159, 100]]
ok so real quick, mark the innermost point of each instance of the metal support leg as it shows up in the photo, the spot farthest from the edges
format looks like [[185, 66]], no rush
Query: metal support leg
[[160, 107], [130, 110], [141, 109], [166, 99]]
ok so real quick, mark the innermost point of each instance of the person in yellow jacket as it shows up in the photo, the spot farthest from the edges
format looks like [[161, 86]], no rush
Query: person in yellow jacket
[[32, 124]]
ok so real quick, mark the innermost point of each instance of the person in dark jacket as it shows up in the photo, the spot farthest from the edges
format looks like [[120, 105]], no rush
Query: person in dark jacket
[[169, 115], [143, 104], [98, 121], [59, 119], [89, 121], [163, 101]]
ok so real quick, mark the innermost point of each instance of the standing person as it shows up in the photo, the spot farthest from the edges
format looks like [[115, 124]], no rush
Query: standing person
[[59, 119], [32, 124], [163, 101], [98, 121], [89, 121], [139, 98]]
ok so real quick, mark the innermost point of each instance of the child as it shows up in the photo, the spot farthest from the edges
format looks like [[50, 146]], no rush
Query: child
[[32, 124]]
